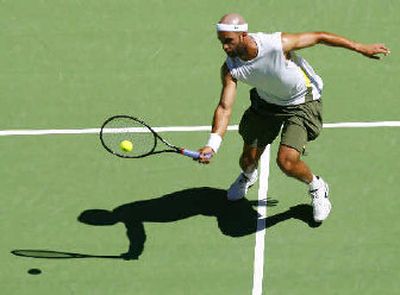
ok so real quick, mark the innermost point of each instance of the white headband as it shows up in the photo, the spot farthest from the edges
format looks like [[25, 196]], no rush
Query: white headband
[[232, 28]]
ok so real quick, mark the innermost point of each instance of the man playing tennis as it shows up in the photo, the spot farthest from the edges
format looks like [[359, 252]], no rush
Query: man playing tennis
[[287, 97]]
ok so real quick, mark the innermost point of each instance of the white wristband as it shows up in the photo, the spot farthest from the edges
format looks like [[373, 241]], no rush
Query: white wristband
[[214, 141]]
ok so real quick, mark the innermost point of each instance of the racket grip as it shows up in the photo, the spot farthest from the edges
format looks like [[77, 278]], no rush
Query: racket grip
[[192, 154]]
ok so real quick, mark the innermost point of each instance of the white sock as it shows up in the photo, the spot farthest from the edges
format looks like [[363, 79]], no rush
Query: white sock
[[315, 183], [251, 175]]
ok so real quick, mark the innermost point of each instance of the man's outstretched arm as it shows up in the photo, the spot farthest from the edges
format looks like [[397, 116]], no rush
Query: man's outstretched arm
[[222, 112], [302, 40]]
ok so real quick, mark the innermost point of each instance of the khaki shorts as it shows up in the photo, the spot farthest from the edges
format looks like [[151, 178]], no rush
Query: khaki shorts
[[262, 122]]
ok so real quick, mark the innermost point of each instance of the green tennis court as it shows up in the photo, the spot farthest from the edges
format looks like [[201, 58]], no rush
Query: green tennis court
[[72, 64]]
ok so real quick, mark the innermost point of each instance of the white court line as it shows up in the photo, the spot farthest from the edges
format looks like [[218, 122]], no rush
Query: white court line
[[261, 223], [362, 124], [182, 128]]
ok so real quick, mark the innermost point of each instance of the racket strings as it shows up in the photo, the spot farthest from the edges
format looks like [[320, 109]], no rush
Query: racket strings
[[119, 129]]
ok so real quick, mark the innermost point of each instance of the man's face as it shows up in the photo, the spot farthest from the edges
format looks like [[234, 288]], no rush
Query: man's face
[[231, 42]]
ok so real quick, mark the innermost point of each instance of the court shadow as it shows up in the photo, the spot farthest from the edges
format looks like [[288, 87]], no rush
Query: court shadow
[[235, 219]]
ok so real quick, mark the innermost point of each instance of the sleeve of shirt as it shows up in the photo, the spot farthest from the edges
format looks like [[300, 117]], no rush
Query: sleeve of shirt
[[273, 42]]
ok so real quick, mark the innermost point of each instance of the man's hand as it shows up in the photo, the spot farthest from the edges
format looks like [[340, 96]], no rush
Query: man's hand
[[372, 50], [206, 153]]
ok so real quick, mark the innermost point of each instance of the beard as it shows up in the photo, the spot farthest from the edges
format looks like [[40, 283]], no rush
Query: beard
[[240, 50], [232, 53]]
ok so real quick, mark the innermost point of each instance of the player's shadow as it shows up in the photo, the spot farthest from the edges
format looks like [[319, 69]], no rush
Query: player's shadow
[[235, 219]]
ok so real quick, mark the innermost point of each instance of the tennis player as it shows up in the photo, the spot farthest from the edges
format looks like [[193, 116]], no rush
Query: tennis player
[[286, 99]]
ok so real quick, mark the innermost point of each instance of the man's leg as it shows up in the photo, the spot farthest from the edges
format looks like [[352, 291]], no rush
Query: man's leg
[[290, 163], [250, 156], [257, 131], [249, 163], [295, 135]]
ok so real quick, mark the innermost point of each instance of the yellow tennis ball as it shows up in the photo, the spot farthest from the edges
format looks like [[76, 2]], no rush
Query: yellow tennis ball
[[126, 145]]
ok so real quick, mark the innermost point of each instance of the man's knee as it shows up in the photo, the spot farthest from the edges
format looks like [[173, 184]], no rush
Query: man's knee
[[287, 159]]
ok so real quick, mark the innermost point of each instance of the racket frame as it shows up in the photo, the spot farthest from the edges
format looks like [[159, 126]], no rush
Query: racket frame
[[156, 136]]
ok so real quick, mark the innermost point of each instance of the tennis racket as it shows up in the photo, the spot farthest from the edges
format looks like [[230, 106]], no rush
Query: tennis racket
[[128, 137]]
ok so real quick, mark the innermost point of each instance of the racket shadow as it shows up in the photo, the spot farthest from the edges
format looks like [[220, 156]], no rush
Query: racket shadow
[[50, 254], [234, 219]]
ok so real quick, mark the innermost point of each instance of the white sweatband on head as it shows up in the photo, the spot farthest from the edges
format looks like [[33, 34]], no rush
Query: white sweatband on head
[[214, 141], [232, 28]]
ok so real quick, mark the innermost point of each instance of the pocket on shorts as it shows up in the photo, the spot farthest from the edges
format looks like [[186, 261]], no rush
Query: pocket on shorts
[[313, 123], [257, 130], [309, 115]]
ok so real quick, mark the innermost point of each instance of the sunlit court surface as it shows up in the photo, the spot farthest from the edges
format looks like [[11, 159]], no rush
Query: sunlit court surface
[[75, 219]]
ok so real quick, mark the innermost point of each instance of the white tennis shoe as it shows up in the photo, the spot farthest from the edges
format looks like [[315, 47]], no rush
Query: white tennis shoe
[[239, 188], [320, 201]]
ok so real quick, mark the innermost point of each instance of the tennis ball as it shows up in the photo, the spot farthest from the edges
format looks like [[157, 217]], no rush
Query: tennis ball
[[126, 145]]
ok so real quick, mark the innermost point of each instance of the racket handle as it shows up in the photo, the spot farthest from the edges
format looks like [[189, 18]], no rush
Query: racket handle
[[192, 154]]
